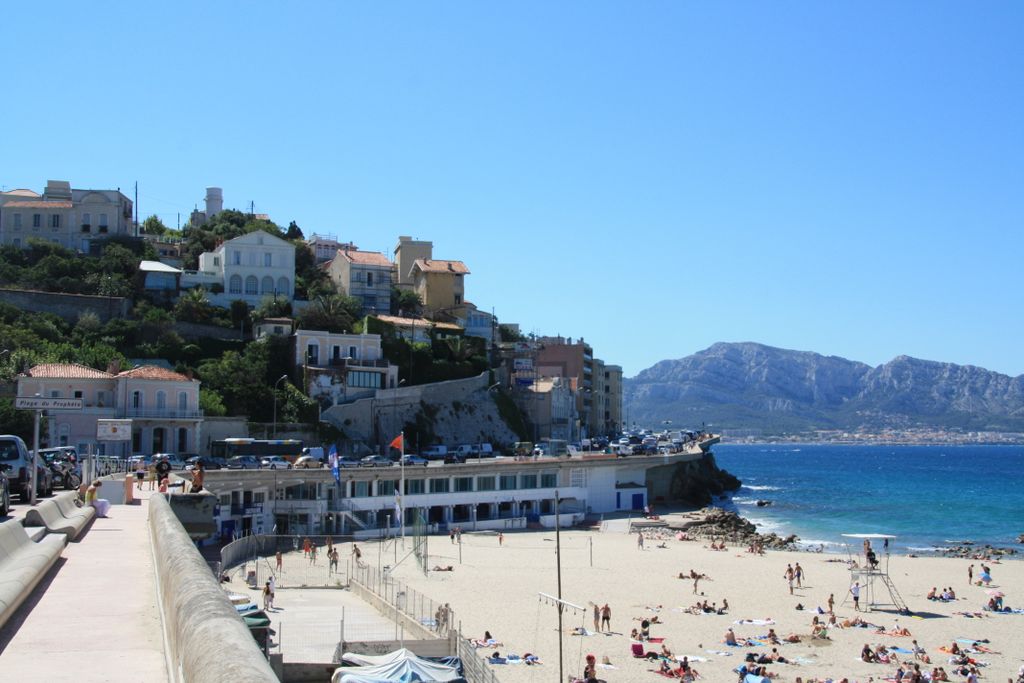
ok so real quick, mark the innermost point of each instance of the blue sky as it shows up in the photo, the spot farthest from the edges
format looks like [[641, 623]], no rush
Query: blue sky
[[846, 178]]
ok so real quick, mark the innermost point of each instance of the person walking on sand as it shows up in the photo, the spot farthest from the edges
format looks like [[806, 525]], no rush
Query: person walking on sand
[[799, 572], [639, 540], [970, 575], [855, 592], [831, 603], [606, 617], [279, 560], [789, 576], [597, 617], [501, 539]]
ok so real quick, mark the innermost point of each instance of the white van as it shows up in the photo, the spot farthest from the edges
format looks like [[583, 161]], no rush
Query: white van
[[434, 452]]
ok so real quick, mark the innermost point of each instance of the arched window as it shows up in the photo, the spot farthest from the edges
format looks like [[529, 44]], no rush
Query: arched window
[[282, 285], [267, 286], [235, 285], [252, 285]]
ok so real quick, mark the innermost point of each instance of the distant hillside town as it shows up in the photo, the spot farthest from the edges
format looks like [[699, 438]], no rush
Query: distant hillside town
[[235, 326]]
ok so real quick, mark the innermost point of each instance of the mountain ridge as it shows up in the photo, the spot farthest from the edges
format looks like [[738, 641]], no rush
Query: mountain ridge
[[747, 385]]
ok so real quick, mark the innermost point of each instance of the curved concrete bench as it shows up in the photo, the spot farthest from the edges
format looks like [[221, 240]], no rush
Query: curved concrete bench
[[66, 504], [47, 513], [22, 564]]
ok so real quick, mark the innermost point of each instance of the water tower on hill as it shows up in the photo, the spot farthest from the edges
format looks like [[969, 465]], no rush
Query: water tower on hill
[[214, 201]]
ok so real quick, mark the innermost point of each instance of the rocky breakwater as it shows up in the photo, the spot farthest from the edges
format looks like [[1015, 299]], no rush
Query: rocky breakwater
[[726, 525], [698, 482]]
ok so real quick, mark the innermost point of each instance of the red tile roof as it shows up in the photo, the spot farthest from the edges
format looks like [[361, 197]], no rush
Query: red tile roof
[[421, 323], [154, 372], [38, 205], [366, 258], [436, 266], [67, 371]]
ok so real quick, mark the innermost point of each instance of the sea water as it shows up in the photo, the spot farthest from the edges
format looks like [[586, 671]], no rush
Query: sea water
[[926, 496]]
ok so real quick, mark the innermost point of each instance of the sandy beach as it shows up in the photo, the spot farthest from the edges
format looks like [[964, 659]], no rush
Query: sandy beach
[[495, 588]]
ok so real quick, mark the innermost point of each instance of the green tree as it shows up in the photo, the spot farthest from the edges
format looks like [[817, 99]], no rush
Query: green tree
[[311, 280], [193, 306], [405, 302], [154, 226], [211, 403], [334, 313], [294, 232]]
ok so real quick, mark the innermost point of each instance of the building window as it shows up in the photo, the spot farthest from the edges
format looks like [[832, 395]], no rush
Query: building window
[[136, 399], [463, 484], [548, 480], [386, 488], [529, 481], [361, 489], [369, 279], [55, 221], [439, 485], [236, 258], [413, 487], [216, 261], [268, 259], [485, 483], [182, 440], [103, 220], [136, 441], [353, 352], [252, 285], [267, 285], [312, 354], [37, 220], [578, 477], [282, 285], [508, 482], [85, 219], [458, 299], [161, 400], [17, 221], [182, 401], [78, 394], [54, 393]]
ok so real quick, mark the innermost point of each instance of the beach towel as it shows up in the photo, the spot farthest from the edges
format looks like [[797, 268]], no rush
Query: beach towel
[[720, 653], [498, 660], [751, 641], [971, 641], [751, 678], [692, 658], [756, 622], [901, 650], [637, 649], [655, 640]]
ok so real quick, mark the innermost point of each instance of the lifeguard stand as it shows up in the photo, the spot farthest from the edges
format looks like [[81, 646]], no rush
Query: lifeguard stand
[[869, 573]]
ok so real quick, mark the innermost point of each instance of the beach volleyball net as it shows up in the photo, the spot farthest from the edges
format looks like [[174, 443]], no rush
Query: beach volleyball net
[[420, 534]]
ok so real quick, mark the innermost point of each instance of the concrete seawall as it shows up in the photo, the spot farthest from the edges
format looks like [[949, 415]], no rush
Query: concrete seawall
[[206, 640]]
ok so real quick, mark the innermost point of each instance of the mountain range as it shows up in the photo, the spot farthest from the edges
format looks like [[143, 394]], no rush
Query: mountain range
[[736, 386]]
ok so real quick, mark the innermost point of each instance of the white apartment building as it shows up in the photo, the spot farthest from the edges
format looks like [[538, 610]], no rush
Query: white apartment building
[[69, 217], [162, 404], [342, 367], [248, 268], [365, 275]]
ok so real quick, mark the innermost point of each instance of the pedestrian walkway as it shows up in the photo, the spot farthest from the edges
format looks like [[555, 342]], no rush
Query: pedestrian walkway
[[94, 617]]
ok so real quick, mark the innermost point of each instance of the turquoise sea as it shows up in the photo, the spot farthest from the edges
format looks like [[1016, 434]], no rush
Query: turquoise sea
[[924, 495]]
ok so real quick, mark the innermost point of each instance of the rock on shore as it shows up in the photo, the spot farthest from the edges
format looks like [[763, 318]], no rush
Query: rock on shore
[[723, 524], [696, 483]]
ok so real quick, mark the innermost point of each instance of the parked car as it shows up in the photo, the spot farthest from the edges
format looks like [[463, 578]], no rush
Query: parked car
[[173, 459], [209, 462], [348, 462], [5, 492], [434, 452], [275, 462], [15, 454], [244, 462], [411, 460], [376, 461], [308, 462], [454, 459]]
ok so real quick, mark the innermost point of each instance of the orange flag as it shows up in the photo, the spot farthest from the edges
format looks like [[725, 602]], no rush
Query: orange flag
[[397, 442]]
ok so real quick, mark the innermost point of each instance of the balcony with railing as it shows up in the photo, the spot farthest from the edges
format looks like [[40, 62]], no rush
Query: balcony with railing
[[160, 414]]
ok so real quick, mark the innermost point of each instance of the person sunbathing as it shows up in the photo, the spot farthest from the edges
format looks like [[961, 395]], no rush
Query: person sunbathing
[[792, 638], [931, 594], [730, 638], [772, 637], [898, 630], [868, 655]]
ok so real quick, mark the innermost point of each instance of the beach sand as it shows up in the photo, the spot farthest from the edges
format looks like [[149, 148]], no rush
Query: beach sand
[[496, 588]]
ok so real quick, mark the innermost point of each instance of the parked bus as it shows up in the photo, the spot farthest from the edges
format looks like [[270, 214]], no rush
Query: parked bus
[[290, 449]]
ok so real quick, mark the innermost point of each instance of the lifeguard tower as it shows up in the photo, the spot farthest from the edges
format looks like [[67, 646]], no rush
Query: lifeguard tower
[[869, 566]]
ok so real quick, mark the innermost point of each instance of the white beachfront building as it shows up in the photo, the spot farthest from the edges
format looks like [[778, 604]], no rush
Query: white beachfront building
[[248, 268]]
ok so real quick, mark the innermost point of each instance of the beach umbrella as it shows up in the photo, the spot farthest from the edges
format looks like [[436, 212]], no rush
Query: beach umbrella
[[995, 594]]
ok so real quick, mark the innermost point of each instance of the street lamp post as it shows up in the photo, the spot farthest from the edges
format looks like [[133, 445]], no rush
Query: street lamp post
[[274, 426]]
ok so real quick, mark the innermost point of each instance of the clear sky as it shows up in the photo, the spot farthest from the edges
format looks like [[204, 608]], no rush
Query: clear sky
[[841, 177]]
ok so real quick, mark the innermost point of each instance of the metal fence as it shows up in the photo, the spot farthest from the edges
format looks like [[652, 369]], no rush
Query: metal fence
[[293, 561]]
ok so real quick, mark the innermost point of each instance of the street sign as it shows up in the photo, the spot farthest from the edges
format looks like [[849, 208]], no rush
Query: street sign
[[36, 403], [113, 430]]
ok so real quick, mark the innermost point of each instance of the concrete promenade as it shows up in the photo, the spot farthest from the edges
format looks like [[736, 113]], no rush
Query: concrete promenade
[[94, 617]]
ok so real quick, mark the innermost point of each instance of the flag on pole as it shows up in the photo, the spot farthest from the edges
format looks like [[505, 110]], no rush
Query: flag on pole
[[397, 442], [398, 509], [332, 457]]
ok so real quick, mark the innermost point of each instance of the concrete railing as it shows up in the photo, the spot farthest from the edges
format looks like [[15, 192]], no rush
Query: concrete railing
[[206, 639]]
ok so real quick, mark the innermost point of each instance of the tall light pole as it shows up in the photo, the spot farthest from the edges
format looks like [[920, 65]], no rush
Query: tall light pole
[[274, 426]]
